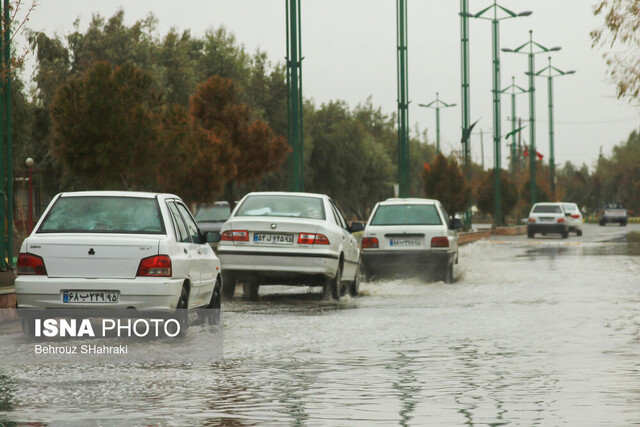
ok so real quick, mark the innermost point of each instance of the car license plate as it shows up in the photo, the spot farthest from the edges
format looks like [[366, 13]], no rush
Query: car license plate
[[97, 297], [277, 239], [405, 242]]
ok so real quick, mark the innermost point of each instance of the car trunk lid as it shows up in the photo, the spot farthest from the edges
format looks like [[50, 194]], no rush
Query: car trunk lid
[[273, 231]]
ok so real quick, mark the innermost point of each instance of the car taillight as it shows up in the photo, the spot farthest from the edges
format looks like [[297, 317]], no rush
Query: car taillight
[[532, 219], [312, 239], [440, 242], [235, 235], [561, 220], [31, 264], [369, 243], [575, 216], [155, 266]]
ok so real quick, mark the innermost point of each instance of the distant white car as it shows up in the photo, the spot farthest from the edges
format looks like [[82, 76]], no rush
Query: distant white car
[[291, 239], [112, 249], [412, 236], [547, 218], [574, 217]]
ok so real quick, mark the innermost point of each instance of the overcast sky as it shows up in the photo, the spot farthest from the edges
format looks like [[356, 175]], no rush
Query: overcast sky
[[350, 54]]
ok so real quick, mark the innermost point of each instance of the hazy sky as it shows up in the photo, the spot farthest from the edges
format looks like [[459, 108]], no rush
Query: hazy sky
[[350, 54]]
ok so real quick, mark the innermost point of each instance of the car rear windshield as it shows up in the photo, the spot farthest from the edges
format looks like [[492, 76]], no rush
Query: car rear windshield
[[213, 213], [282, 206], [406, 215], [552, 209], [100, 214], [570, 207]]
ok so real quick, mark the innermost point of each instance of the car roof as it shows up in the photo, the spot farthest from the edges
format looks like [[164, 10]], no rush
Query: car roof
[[139, 194], [285, 193], [549, 204], [399, 201]]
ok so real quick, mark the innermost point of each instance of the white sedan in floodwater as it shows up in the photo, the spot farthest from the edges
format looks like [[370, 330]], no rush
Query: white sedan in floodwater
[[290, 239], [116, 249]]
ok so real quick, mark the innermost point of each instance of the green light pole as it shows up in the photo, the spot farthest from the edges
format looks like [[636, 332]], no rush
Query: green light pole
[[515, 90], [553, 72], [403, 100], [6, 156], [534, 49], [294, 95], [497, 91], [437, 105], [465, 105]]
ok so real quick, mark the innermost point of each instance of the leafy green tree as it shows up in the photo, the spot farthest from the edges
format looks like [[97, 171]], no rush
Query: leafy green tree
[[486, 194], [444, 181], [103, 126]]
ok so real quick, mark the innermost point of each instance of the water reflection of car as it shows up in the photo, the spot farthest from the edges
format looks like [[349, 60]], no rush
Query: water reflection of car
[[113, 249], [414, 236], [547, 218], [211, 216], [574, 217], [290, 239], [612, 213]]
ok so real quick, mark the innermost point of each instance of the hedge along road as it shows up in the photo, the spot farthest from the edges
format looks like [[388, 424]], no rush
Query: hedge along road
[[541, 331]]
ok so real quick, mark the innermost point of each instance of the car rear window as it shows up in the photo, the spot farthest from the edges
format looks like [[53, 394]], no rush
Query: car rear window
[[99, 214], [570, 207], [213, 213], [406, 215], [553, 209], [282, 206]]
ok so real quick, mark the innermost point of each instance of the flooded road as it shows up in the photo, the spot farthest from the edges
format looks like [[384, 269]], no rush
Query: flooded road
[[533, 332]]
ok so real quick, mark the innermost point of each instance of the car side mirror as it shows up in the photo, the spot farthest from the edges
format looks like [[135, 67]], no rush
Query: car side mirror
[[355, 227], [567, 214], [212, 236], [456, 224]]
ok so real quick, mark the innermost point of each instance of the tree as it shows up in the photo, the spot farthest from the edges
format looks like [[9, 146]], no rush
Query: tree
[[254, 148], [486, 194], [621, 23], [103, 126], [444, 181]]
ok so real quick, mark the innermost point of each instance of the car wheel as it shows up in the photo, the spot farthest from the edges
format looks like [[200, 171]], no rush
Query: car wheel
[[623, 223], [28, 326], [354, 288], [228, 286], [531, 234], [332, 287], [250, 290], [565, 234], [579, 233], [211, 314], [602, 222], [181, 313], [447, 276]]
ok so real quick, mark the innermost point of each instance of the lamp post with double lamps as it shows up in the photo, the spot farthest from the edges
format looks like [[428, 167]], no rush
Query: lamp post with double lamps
[[552, 73], [535, 48], [437, 105], [515, 90], [497, 92]]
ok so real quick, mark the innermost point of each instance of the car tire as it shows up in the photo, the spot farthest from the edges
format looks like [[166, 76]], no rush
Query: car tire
[[565, 234], [228, 286], [602, 222], [354, 287], [579, 233], [332, 287], [181, 313], [211, 313], [623, 223], [447, 275], [531, 234], [250, 290]]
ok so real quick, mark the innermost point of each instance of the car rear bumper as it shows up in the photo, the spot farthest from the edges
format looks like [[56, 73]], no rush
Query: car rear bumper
[[551, 228], [405, 262], [278, 266], [41, 292], [609, 218]]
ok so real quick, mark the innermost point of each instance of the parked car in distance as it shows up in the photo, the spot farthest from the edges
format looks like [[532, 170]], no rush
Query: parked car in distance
[[116, 249], [210, 217], [291, 239], [574, 217], [547, 218], [414, 236], [612, 212]]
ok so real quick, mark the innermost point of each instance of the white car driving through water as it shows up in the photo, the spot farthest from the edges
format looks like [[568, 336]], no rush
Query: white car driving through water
[[291, 239], [410, 236], [116, 249]]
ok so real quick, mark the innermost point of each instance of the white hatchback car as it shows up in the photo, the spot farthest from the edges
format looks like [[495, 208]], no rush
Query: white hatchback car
[[108, 249], [290, 239], [574, 217], [547, 218], [413, 236]]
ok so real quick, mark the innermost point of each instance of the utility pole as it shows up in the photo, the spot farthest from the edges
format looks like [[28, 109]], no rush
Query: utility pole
[[404, 179], [294, 95], [465, 98], [515, 90], [6, 155]]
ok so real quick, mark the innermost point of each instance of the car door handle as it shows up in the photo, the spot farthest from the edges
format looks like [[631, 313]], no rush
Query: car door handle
[[186, 251]]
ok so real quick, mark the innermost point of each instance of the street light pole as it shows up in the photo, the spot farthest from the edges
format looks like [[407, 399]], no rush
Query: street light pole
[[437, 105], [497, 91], [515, 90], [30, 163], [294, 95], [403, 99], [552, 160], [532, 105], [465, 107]]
